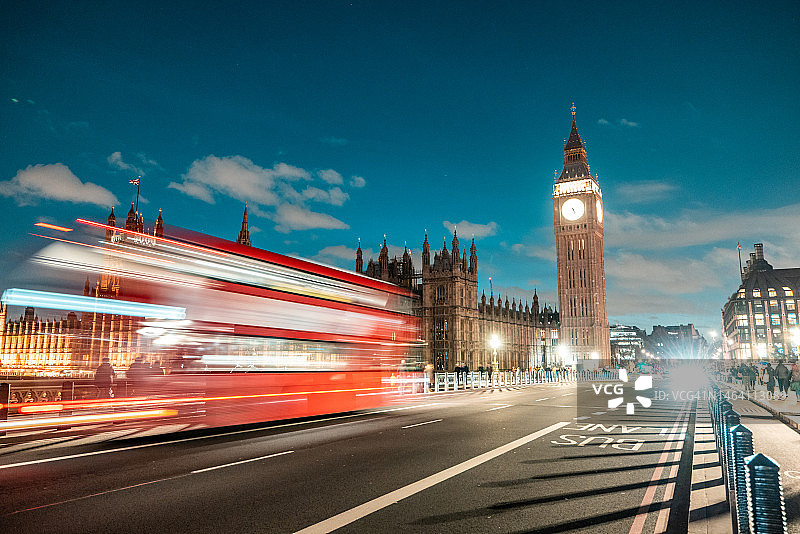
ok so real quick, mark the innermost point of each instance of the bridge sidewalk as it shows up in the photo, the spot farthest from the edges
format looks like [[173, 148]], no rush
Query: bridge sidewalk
[[709, 512]]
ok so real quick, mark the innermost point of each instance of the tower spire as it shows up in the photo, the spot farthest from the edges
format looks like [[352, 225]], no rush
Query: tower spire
[[576, 164], [244, 233]]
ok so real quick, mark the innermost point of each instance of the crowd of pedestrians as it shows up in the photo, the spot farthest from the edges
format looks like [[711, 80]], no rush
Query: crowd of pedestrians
[[783, 376]]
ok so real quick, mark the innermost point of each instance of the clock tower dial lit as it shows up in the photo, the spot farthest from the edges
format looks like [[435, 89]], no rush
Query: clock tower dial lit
[[578, 226]]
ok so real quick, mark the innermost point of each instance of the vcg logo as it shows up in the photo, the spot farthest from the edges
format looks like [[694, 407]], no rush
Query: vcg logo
[[642, 383]]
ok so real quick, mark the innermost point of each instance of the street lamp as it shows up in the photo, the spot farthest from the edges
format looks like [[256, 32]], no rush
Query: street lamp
[[494, 342]]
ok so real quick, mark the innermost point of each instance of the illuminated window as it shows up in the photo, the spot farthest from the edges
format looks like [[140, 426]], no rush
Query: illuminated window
[[741, 294], [757, 293], [741, 320], [773, 304], [787, 292], [759, 319], [775, 319], [791, 318], [789, 304], [772, 292]]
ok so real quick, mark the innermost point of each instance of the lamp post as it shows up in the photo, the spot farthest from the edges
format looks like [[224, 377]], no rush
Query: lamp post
[[494, 342]]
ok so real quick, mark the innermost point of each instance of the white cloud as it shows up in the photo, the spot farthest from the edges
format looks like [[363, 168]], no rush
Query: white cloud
[[115, 160], [55, 182], [330, 176], [701, 227], [334, 196], [645, 191], [602, 121], [535, 251], [233, 176], [629, 124], [338, 251], [290, 217], [468, 229], [357, 181], [291, 172], [239, 178]]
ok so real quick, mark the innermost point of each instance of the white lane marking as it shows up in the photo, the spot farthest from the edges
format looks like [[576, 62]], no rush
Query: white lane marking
[[132, 486], [500, 407], [183, 440], [567, 394], [582, 418], [241, 462], [546, 398], [598, 413], [420, 424], [354, 514]]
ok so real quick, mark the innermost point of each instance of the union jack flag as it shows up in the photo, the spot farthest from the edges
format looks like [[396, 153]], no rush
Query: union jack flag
[[135, 181]]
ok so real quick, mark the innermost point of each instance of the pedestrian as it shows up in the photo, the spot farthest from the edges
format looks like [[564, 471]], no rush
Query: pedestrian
[[429, 374], [770, 380], [795, 385], [136, 374], [752, 376], [104, 379], [782, 375]]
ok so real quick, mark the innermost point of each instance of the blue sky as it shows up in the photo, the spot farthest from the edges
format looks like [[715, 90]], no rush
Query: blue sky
[[339, 120]]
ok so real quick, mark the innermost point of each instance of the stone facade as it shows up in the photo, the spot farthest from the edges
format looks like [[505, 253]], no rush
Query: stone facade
[[457, 324]]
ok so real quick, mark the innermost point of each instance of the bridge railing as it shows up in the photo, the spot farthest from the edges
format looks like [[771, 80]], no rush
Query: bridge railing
[[483, 379], [753, 481]]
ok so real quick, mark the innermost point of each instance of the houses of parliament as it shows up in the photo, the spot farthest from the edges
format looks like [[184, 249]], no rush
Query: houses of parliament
[[459, 326]]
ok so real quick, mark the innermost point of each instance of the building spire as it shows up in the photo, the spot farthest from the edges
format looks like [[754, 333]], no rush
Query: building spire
[[576, 164], [244, 233]]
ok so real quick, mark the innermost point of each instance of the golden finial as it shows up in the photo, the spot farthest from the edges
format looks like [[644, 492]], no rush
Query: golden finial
[[573, 109]]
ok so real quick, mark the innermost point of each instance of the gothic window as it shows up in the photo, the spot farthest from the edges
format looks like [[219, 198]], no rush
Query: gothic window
[[772, 292], [439, 329], [440, 294], [787, 292], [789, 304], [756, 293]]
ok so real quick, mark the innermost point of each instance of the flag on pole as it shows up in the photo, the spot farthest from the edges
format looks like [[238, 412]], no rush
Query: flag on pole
[[135, 181], [739, 246]]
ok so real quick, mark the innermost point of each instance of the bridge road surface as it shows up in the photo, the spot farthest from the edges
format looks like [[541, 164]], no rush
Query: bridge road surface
[[507, 460]]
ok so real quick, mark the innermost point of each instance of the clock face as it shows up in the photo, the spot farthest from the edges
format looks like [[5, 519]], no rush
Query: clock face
[[573, 209], [599, 207]]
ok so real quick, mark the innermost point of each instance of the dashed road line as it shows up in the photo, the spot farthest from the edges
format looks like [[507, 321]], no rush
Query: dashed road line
[[420, 424]]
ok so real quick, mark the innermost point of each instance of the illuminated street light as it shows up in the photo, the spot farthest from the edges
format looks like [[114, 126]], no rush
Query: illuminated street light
[[494, 342]]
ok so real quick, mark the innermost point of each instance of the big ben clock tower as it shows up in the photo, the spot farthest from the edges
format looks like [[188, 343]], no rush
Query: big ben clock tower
[[578, 225]]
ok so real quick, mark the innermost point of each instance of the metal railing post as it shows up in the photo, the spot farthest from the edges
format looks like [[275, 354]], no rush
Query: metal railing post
[[731, 420], [742, 444], [723, 407], [765, 507], [5, 399]]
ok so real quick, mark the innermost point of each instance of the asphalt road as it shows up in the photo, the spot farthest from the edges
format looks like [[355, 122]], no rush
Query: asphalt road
[[510, 460]]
